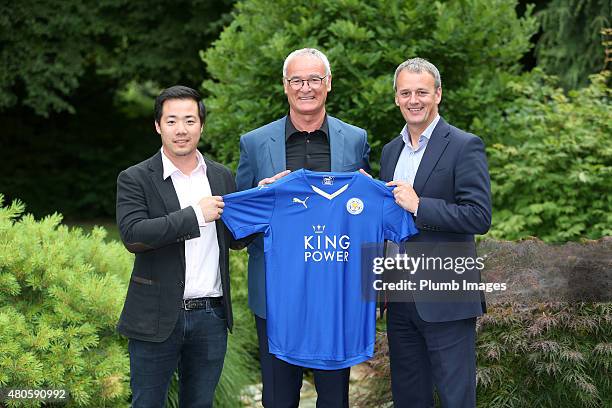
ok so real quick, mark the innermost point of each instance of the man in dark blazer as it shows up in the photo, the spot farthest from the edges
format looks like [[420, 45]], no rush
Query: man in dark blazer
[[178, 309], [306, 138], [440, 175]]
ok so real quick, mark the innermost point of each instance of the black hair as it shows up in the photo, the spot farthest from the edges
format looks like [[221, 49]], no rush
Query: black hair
[[179, 92]]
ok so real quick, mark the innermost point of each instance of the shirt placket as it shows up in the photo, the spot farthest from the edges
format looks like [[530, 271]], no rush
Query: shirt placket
[[307, 151]]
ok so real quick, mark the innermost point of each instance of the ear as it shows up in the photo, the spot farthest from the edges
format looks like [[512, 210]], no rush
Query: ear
[[285, 84], [396, 100], [157, 128], [438, 95], [329, 80]]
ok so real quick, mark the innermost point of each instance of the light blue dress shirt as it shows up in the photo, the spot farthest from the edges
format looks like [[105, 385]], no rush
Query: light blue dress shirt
[[410, 157]]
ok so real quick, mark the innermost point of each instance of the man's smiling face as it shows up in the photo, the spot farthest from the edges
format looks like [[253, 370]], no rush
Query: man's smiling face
[[179, 127], [418, 99], [307, 100]]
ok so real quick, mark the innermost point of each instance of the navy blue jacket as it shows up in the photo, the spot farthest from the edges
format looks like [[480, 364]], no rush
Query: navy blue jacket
[[453, 186]]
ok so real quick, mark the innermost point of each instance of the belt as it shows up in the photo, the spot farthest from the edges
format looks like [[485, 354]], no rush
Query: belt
[[201, 303]]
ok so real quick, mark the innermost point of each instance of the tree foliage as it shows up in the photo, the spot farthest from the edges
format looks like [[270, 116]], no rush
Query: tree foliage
[[553, 180], [60, 295], [46, 47], [540, 344], [570, 45], [541, 355], [475, 43], [545, 355], [69, 163], [77, 82]]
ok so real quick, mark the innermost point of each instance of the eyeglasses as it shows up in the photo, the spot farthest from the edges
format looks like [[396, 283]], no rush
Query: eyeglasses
[[314, 82]]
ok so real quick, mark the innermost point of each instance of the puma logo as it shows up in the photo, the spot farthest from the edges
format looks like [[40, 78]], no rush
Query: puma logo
[[303, 202]]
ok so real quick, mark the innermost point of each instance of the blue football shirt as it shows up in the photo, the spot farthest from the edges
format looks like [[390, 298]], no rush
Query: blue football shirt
[[314, 225]]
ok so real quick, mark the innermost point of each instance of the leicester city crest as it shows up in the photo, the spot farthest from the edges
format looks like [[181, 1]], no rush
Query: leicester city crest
[[354, 206]]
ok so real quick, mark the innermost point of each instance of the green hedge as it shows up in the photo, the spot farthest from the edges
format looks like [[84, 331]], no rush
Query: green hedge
[[553, 355], [540, 344], [552, 177], [476, 44], [61, 293]]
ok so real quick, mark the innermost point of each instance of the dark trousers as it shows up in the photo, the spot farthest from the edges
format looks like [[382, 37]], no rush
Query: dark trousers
[[282, 381], [424, 354], [197, 345]]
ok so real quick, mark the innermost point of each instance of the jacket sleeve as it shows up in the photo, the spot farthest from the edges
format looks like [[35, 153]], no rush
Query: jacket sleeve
[[237, 244], [245, 174], [470, 213], [140, 233], [365, 153]]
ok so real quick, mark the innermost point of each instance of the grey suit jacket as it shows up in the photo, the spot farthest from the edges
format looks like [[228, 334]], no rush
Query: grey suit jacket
[[262, 154]]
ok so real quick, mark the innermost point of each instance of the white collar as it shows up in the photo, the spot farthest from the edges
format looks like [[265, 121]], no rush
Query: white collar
[[327, 195], [170, 168]]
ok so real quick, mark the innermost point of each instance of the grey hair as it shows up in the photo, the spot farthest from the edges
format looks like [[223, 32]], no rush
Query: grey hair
[[307, 51], [418, 65]]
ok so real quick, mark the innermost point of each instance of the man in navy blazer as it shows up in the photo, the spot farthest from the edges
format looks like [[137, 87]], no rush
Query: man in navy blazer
[[441, 176], [306, 138]]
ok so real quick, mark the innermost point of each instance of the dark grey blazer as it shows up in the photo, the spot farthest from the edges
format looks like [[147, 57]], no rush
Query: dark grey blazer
[[154, 227]]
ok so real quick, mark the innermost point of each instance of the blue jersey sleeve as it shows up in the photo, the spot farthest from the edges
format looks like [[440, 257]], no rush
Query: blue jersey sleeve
[[250, 211], [398, 223]]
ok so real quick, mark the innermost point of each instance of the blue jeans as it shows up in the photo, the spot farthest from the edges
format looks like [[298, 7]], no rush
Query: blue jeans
[[197, 345]]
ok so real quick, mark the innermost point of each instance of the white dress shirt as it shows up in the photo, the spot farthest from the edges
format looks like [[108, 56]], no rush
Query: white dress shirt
[[202, 276]]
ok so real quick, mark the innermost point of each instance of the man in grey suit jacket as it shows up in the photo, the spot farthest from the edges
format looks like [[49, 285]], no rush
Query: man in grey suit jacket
[[178, 309], [306, 138]]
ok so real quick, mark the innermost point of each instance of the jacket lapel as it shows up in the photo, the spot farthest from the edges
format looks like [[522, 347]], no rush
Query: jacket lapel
[[336, 144], [214, 179], [387, 169], [216, 188], [165, 188], [435, 147], [166, 191], [276, 147]]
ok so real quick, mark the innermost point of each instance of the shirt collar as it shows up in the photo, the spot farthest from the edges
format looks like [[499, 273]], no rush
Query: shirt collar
[[290, 128], [170, 168], [425, 136]]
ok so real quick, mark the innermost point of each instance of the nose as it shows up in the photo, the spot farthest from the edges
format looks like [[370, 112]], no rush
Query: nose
[[307, 83], [412, 98], [181, 128]]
